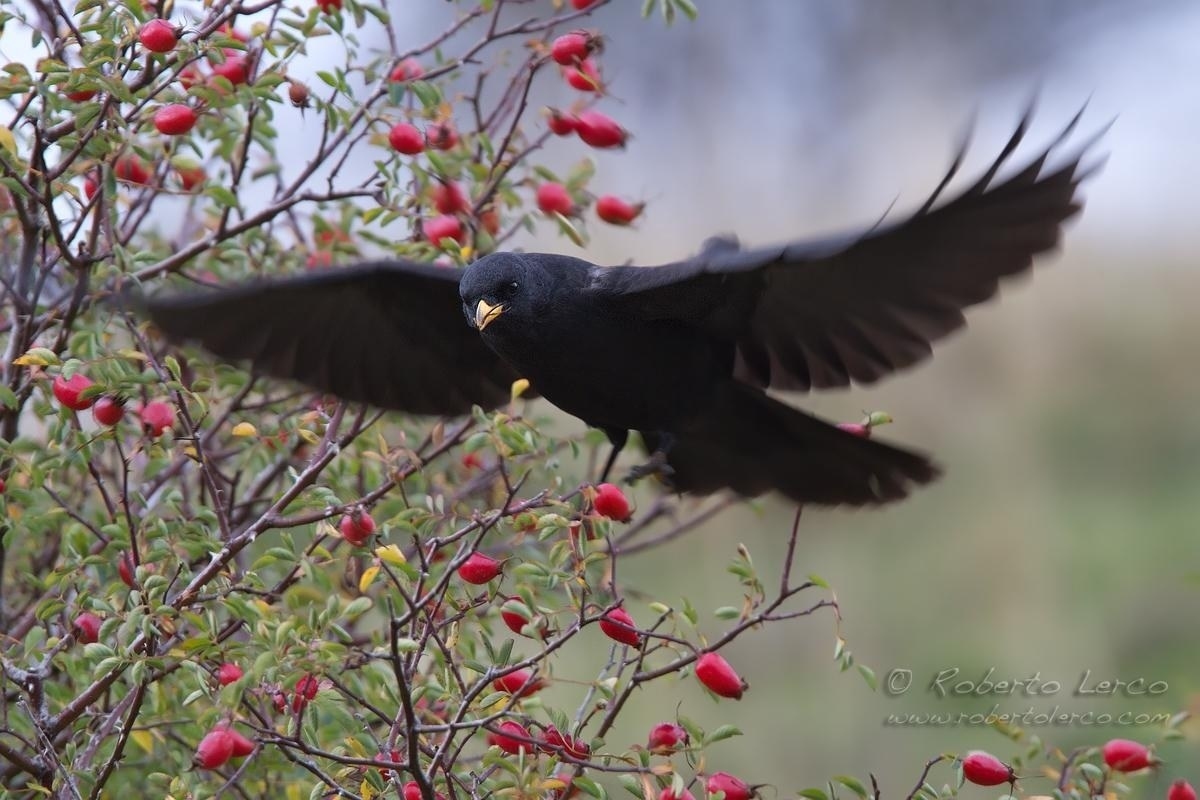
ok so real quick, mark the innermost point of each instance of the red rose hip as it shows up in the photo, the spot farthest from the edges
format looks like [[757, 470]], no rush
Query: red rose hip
[[87, 628], [441, 136], [599, 130], [131, 169], [1125, 755], [175, 119], [306, 689], [1181, 790], [616, 211], [553, 198], [479, 569], [518, 621], [444, 227], [448, 198], [68, 390], [984, 769], [719, 677], [229, 673], [214, 749], [572, 48], [406, 138], [733, 787], [158, 36], [667, 737], [620, 627], [357, 527], [509, 737], [584, 76], [560, 124], [669, 794], [407, 70], [235, 69], [126, 569], [611, 502], [520, 683], [108, 410], [157, 417]]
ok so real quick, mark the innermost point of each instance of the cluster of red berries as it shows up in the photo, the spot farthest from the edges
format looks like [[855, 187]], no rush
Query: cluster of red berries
[[219, 745], [1120, 755], [514, 738], [575, 53], [76, 393], [173, 119]]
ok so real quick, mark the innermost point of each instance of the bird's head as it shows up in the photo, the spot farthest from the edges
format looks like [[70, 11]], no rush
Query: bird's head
[[500, 285]]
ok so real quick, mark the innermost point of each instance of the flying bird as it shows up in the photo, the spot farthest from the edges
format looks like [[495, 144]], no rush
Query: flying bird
[[682, 353]]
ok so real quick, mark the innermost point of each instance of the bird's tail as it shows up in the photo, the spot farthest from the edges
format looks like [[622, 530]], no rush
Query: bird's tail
[[751, 443]]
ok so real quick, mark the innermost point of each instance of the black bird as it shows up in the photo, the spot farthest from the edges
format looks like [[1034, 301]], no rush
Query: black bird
[[683, 352]]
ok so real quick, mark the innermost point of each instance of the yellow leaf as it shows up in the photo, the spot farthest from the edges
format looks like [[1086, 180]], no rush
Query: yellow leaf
[[37, 356], [133, 355], [366, 790], [520, 386], [244, 429], [355, 747], [368, 577], [391, 554], [309, 436], [7, 141], [144, 739]]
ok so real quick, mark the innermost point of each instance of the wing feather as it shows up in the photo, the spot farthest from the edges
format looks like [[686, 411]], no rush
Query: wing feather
[[854, 308], [386, 333]]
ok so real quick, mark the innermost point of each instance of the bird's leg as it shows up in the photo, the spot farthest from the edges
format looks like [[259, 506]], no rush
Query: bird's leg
[[657, 463], [618, 439]]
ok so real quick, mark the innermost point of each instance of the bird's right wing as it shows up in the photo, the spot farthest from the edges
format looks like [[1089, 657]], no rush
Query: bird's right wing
[[391, 334], [854, 308]]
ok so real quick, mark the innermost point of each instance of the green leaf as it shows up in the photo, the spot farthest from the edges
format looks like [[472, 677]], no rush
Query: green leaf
[[814, 794], [589, 786], [631, 785], [567, 227], [357, 607], [722, 733], [853, 784], [688, 8], [869, 676], [426, 92], [727, 612], [221, 195]]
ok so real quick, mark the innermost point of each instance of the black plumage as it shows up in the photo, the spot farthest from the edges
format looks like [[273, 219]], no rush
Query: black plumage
[[682, 352]]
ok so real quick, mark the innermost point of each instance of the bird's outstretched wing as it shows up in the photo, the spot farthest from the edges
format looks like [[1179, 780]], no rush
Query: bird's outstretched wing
[[854, 308], [391, 334]]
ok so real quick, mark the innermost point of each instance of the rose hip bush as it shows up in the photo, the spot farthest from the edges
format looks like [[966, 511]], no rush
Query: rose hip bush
[[213, 584]]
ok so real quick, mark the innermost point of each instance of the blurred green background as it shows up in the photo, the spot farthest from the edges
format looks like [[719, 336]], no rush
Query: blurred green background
[[1063, 537]]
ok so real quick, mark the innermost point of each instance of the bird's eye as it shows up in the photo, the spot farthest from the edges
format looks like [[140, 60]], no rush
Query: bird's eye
[[508, 290], [512, 287]]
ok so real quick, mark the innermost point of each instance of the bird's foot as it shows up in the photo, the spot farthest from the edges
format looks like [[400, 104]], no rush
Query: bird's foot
[[656, 465]]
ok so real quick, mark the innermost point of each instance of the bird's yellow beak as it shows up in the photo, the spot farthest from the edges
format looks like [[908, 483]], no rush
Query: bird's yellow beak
[[486, 313]]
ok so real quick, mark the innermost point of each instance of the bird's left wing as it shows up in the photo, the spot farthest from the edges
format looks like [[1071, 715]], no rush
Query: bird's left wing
[[854, 308], [391, 334]]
